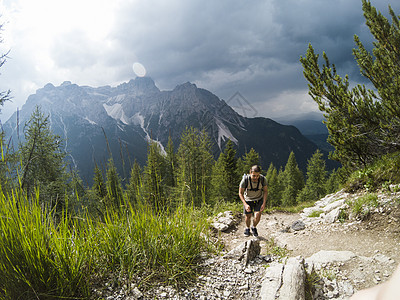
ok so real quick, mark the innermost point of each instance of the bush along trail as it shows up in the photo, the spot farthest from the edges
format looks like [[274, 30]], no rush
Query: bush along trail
[[344, 243]]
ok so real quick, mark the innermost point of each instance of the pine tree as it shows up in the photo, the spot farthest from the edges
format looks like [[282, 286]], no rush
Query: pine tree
[[195, 163], [293, 181], [274, 190], [315, 187], [96, 195], [171, 164], [230, 171], [274, 187], [250, 159], [4, 95], [99, 187], [153, 177], [8, 166], [334, 181], [8, 161], [225, 179], [114, 198], [134, 187], [218, 180], [362, 125], [240, 168], [42, 162], [269, 171]]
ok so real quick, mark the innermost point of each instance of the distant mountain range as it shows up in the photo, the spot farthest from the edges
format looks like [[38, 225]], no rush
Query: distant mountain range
[[312, 127], [123, 119]]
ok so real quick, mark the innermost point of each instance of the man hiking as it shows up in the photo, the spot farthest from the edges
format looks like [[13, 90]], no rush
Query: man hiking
[[253, 192]]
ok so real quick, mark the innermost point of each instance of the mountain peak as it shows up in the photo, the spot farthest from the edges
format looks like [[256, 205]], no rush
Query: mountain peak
[[49, 86], [186, 86], [65, 83], [139, 85]]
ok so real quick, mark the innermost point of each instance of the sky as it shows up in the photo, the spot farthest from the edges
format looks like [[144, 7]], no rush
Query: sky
[[229, 47]]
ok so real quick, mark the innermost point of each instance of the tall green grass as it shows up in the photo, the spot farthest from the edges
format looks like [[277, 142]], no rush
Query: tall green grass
[[44, 258], [38, 258], [152, 246]]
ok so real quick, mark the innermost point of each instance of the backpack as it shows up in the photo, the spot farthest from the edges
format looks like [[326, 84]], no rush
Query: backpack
[[247, 178]]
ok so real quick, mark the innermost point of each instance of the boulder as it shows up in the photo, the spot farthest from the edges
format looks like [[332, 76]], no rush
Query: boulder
[[333, 205], [333, 215], [298, 225], [325, 257], [272, 281], [245, 252], [224, 221], [293, 280], [308, 211], [284, 281]]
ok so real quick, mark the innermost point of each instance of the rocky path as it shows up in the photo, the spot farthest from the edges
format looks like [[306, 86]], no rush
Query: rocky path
[[378, 233], [374, 243], [361, 238], [339, 258]]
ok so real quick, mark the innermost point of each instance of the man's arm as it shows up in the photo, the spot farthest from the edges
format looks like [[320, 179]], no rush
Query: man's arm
[[241, 196], [265, 195]]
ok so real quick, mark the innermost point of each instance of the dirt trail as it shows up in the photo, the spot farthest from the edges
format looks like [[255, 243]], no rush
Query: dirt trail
[[377, 235]]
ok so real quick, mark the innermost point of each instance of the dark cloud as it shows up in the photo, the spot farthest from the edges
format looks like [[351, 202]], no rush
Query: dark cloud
[[263, 41], [225, 46]]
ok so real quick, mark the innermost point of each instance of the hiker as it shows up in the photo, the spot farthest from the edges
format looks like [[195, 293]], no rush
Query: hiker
[[253, 192]]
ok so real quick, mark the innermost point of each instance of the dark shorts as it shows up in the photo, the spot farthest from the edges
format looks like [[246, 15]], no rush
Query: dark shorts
[[254, 205]]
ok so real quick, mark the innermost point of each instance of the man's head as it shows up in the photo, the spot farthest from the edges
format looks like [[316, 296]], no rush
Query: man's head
[[255, 173]]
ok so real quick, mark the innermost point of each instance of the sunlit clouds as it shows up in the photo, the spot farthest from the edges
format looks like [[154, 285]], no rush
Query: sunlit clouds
[[226, 46]]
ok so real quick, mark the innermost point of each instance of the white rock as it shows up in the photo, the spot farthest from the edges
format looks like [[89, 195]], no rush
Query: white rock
[[293, 280], [325, 257], [333, 215], [333, 205], [272, 281]]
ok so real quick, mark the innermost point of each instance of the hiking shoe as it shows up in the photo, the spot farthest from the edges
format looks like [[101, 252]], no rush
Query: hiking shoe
[[247, 232], [254, 230]]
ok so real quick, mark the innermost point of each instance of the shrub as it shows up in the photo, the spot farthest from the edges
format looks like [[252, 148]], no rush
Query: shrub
[[376, 175], [361, 206]]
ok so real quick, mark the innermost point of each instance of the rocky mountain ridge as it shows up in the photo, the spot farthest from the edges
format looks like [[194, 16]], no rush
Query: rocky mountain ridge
[[96, 123]]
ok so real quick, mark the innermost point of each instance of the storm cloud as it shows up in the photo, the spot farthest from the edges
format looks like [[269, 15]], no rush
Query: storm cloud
[[251, 47]]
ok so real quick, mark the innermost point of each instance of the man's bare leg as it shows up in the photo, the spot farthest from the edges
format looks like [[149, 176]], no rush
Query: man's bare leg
[[257, 217], [248, 220]]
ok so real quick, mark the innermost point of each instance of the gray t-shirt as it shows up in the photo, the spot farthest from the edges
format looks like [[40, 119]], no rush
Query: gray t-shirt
[[250, 192]]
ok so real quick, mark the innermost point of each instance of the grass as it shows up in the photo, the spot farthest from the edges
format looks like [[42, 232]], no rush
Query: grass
[[38, 258], [67, 259], [222, 206], [362, 205], [383, 172], [311, 281], [343, 215], [316, 214], [275, 250]]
